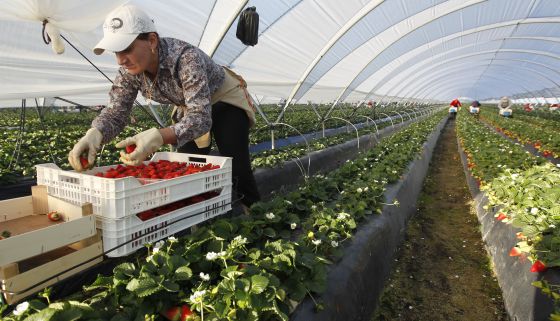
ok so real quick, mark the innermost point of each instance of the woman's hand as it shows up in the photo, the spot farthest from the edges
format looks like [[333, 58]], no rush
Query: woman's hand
[[90, 143], [147, 142]]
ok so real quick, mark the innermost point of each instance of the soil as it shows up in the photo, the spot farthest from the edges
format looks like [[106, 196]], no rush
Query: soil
[[442, 271]]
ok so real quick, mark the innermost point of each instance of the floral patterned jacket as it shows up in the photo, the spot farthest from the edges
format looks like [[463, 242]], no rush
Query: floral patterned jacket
[[186, 77]]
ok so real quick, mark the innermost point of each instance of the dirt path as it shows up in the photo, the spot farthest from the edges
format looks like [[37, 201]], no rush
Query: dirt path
[[442, 270]]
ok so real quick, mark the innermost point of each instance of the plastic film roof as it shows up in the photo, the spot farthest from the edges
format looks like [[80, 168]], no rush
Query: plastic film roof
[[308, 50]]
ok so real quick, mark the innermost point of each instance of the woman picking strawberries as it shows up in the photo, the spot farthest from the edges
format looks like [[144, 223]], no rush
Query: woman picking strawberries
[[210, 100]]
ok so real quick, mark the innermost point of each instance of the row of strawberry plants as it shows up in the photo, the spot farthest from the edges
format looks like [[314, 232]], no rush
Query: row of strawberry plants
[[247, 268], [488, 153], [541, 112], [525, 189], [52, 141], [543, 138], [538, 121], [274, 157]]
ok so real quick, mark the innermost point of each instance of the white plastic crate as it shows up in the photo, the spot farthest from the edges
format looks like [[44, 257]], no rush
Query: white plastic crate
[[119, 231], [121, 197]]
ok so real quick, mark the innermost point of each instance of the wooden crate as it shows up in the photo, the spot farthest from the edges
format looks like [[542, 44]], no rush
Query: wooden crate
[[39, 248]]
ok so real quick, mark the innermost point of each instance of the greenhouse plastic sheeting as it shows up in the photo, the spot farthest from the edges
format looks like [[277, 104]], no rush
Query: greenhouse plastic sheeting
[[308, 50]]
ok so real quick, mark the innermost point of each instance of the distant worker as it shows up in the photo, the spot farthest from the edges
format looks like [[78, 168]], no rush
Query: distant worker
[[475, 108], [454, 106], [528, 107], [504, 107]]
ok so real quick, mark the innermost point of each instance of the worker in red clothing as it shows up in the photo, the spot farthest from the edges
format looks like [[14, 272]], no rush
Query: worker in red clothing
[[454, 106], [455, 103]]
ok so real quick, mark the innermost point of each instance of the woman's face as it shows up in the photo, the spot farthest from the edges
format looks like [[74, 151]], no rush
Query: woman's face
[[137, 57]]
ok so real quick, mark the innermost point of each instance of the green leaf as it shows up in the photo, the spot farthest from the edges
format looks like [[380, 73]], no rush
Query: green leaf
[[44, 315], [270, 232], [183, 273], [143, 287], [170, 286], [125, 268], [258, 283]]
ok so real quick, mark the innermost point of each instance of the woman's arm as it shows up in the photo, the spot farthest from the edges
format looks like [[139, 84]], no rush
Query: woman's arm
[[113, 118], [168, 135]]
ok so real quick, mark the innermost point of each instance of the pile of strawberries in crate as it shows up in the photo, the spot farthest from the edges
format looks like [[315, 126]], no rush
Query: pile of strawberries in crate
[[161, 169], [149, 214]]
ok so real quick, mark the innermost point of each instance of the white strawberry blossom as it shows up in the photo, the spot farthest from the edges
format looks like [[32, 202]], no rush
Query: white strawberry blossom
[[288, 202], [534, 210], [293, 226], [334, 243], [342, 216], [270, 216], [240, 239], [316, 242], [204, 277], [211, 256], [359, 190], [172, 239], [20, 308], [197, 295]]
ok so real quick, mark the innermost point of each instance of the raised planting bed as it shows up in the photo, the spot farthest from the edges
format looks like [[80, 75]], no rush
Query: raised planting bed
[[291, 173], [358, 279], [523, 301], [255, 267]]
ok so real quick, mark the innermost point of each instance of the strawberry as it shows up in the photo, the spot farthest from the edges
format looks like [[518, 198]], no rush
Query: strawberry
[[130, 148], [173, 313], [538, 267], [185, 312], [177, 313], [501, 216], [54, 216], [515, 251], [84, 162]]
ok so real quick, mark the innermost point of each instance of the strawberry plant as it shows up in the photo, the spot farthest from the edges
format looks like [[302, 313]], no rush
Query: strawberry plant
[[249, 268], [543, 138]]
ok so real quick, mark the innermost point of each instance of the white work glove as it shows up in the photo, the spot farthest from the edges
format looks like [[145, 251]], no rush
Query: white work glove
[[147, 142], [90, 143]]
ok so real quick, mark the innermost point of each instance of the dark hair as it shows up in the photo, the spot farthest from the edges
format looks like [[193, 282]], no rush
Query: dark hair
[[146, 35]]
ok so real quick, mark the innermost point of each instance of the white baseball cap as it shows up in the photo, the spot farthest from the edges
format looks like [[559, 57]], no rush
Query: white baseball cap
[[122, 26]]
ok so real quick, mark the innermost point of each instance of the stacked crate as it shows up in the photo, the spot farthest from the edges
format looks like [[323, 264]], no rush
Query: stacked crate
[[118, 201]]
